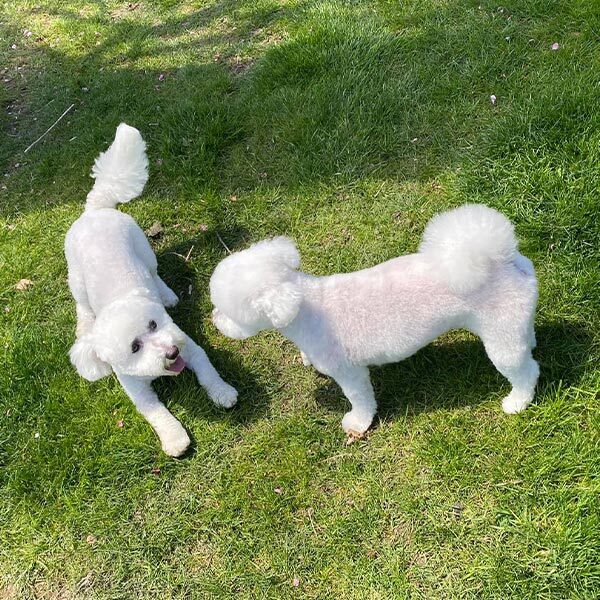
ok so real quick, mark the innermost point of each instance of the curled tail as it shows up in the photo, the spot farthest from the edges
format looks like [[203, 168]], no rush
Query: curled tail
[[466, 243], [121, 172]]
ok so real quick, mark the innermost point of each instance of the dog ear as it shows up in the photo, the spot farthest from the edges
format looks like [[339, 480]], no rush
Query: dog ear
[[280, 304], [85, 359]]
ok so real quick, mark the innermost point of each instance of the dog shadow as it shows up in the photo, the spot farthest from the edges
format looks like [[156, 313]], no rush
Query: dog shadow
[[188, 274], [449, 374]]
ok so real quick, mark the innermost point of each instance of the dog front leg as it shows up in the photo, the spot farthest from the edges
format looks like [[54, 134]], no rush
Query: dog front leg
[[356, 385], [221, 393], [173, 437]]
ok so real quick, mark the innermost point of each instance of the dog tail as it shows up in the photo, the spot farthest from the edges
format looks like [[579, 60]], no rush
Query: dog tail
[[121, 172], [466, 243]]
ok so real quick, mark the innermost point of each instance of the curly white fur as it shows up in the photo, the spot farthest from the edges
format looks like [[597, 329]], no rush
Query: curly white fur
[[121, 172], [122, 324], [467, 274], [465, 243]]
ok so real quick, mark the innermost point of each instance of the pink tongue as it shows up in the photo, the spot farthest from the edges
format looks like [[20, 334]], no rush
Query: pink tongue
[[177, 366]]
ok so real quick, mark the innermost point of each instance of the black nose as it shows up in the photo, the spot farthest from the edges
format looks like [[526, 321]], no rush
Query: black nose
[[173, 353]]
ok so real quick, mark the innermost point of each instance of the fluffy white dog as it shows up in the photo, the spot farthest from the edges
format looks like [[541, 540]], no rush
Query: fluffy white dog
[[122, 324], [467, 274]]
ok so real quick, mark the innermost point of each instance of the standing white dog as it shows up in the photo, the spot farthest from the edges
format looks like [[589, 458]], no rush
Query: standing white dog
[[122, 324], [467, 274]]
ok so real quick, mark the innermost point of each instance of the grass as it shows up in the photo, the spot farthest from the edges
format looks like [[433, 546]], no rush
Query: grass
[[346, 126]]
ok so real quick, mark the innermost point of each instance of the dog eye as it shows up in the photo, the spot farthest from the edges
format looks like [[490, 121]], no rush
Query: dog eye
[[135, 346], [152, 325]]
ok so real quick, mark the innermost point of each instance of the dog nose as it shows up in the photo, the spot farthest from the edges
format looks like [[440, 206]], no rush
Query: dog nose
[[173, 353]]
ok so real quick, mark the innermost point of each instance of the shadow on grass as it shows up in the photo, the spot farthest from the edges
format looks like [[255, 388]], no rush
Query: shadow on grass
[[182, 278], [343, 98], [447, 375]]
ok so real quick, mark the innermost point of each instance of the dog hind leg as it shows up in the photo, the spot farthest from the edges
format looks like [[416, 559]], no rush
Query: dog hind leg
[[167, 296], [511, 355], [144, 252], [85, 315]]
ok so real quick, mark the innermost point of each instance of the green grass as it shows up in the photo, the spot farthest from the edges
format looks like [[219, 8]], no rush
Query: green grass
[[347, 126]]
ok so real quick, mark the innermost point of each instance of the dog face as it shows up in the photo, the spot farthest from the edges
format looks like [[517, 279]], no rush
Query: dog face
[[134, 336], [254, 289]]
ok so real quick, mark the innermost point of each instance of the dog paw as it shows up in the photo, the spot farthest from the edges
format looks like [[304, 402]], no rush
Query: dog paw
[[224, 396], [176, 444], [355, 423], [305, 360], [515, 403], [169, 298]]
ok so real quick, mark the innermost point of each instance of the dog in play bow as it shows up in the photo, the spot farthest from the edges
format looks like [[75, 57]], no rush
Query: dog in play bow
[[122, 324]]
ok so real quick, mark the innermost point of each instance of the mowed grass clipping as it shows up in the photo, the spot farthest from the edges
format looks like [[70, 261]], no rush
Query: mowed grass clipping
[[345, 125]]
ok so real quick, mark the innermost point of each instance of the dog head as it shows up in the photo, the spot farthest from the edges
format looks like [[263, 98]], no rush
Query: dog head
[[254, 289], [134, 336]]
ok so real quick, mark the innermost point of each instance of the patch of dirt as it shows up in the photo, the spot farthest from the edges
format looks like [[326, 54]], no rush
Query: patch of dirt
[[9, 592]]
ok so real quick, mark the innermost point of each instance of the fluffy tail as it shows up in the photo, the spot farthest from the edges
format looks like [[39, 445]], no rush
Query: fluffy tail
[[466, 243], [121, 172]]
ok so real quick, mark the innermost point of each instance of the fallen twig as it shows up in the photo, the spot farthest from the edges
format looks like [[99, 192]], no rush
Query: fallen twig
[[187, 256], [222, 242], [48, 130]]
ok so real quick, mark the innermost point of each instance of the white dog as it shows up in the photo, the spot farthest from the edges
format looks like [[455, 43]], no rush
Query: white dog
[[122, 324], [467, 274]]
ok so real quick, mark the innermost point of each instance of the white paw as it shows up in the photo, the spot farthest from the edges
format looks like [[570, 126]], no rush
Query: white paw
[[515, 402], [356, 423], [175, 443], [224, 396], [305, 360], [169, 298]]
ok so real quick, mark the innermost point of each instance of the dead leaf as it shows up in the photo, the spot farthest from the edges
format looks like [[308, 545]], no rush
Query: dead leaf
[[91, 539], [23, 284], [85, 582], [354, 436], [121, 423], [156, 230], [295, 582]]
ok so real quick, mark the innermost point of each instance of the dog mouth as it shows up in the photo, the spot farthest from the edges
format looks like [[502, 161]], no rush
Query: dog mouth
[[176, 366]]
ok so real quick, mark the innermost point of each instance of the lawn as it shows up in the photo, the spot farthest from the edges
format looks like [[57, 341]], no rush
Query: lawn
[[345, 125]]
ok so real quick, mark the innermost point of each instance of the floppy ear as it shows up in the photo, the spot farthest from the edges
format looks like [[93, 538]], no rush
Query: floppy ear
[[280, 304], [85, 359]]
